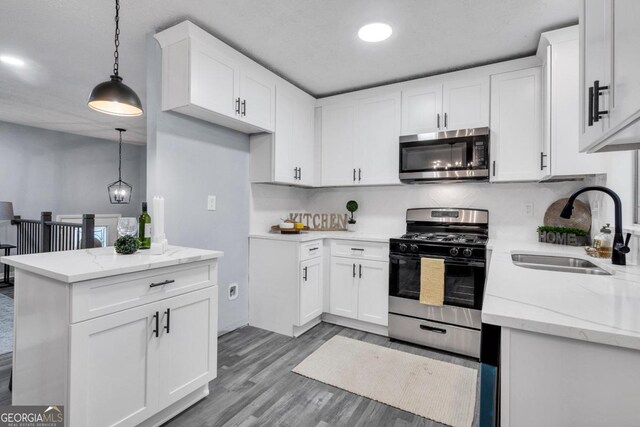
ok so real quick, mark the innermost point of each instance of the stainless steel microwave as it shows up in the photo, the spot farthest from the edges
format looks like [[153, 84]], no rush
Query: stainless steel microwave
[[445, 156]]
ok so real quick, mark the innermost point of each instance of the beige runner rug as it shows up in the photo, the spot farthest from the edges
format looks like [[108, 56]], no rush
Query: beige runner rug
[[437, 390]]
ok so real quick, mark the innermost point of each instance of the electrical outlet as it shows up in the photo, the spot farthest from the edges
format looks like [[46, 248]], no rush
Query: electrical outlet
[[527, 209], [233, 291], [211, 203]]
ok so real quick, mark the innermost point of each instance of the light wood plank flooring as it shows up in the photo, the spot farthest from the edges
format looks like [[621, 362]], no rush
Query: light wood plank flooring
[[255, 385]]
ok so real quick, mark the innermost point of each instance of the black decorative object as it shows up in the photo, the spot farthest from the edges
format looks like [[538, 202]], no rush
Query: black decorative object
[[127, 245], [119, 191], [114, 97], [352, 206]]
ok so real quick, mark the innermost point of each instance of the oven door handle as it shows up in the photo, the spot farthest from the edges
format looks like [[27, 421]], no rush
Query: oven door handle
[[398, 258], [465, 263]]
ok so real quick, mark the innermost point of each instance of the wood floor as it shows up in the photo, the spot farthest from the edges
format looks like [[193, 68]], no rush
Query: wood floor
[[255, 385]]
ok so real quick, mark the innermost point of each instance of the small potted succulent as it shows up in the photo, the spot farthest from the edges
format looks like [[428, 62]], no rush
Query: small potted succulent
[[352, 206]]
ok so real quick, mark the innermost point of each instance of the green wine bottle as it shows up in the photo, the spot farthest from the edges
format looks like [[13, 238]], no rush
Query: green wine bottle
[[144, 228]]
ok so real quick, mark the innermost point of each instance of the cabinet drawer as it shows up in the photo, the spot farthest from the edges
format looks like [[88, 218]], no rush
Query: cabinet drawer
[[104, 296], [310, 250], [357, 249]]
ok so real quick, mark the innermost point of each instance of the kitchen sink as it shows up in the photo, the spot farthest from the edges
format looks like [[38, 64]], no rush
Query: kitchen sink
[[558, 263]]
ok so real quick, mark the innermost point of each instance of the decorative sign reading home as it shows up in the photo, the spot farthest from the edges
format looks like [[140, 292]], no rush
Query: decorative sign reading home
[[563, 236], [321, 221]]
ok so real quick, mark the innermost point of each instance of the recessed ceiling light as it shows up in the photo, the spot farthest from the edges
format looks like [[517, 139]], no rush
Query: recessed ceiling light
[[375, 32], [12, 60]]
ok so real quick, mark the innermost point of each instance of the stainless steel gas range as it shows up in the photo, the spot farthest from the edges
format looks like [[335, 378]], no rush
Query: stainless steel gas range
[[459, 237]]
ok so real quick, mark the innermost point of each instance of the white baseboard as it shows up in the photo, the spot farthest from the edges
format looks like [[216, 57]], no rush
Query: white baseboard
[[232, 328], [355, 324]]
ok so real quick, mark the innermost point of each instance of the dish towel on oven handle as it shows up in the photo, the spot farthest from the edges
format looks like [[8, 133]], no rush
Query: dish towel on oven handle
[[431, 281]]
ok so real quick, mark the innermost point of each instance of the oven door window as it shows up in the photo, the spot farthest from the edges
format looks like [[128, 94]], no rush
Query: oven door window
[[463, 281], [427, 157]]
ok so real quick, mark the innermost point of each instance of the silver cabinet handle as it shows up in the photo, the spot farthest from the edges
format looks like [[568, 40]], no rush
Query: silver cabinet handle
[[432, 329]]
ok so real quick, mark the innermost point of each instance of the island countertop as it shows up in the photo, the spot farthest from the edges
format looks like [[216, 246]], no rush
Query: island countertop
[[88, 264], [602, 309]]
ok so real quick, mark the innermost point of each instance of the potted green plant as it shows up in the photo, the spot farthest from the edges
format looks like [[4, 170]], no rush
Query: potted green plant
[[569, 236], [352, 206]]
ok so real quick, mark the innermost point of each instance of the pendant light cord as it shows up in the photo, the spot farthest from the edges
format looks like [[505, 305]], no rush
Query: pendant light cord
[[120, 158], [117, 39]]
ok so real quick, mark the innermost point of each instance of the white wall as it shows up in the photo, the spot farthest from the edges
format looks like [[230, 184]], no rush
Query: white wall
[[188, 160], [44, 170]]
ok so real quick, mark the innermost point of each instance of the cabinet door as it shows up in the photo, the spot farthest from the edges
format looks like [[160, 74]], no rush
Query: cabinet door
[[188, 343], [257, 94], [595, 42], [310, 301], [338, 139], [625, 100], [304, 137], [466, 103], [373, 292], [516, 125], [214, 80], [285, 143], [344, 289], [378, 133], [422, 110], [114, 369]]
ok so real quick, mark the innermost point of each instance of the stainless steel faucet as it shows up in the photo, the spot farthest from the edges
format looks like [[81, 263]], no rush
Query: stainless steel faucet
[[620, 246]]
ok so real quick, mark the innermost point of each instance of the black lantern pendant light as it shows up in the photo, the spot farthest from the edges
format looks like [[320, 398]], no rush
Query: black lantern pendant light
[[114, 97], [119, 191]]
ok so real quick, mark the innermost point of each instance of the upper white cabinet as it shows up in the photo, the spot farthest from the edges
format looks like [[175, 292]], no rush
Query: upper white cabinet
[[609, 81], [559, 52], [437, 105], [205, 78], [516, 125], [287, 156], [360, 140]]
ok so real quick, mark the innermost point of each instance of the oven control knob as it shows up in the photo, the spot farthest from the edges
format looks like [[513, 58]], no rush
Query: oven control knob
[[414, 248], [467, 252], [402, 247], [453, 251]]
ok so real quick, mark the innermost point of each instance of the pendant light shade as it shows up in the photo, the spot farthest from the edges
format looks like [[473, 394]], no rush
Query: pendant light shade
[[114, 97], [119, 191]]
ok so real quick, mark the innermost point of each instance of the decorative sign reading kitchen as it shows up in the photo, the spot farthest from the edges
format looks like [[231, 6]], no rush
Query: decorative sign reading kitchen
[[321, 221]]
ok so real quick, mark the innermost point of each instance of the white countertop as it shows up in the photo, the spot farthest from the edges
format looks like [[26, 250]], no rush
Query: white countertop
[[602, 309], [88, 264], [315, 235]]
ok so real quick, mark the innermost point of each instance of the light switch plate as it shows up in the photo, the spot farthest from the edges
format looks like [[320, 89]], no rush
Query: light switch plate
[[527, 209], [211, 203]]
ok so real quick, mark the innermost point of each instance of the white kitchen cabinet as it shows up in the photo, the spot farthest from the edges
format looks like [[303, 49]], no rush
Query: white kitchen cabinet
[[310, 290], [516, 125], [287, 156], [553, 381], [285, 284], [205, 78], [455, 103], [465, 102], [422, 109], [344, 288], [373, 292], [153, 370], [360, 140], [116, 333], [561, 157], [610, 56]]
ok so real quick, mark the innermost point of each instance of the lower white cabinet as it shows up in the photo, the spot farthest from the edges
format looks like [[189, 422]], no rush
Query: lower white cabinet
[[285, 284], [360, 289], [129, 365]]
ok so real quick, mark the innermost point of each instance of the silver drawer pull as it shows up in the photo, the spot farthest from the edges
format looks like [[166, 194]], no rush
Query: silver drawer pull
[[166, 282], [357, 249], [432, 329]]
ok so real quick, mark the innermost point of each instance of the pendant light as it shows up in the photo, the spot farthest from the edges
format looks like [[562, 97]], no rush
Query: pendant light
[[114, 97], [119, 191]]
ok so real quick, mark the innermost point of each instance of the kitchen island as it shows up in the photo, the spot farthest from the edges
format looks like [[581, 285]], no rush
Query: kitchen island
[[570, 342], [119, 340]]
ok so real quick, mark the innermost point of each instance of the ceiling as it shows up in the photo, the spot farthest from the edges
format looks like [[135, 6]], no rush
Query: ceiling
[[68, 46]]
